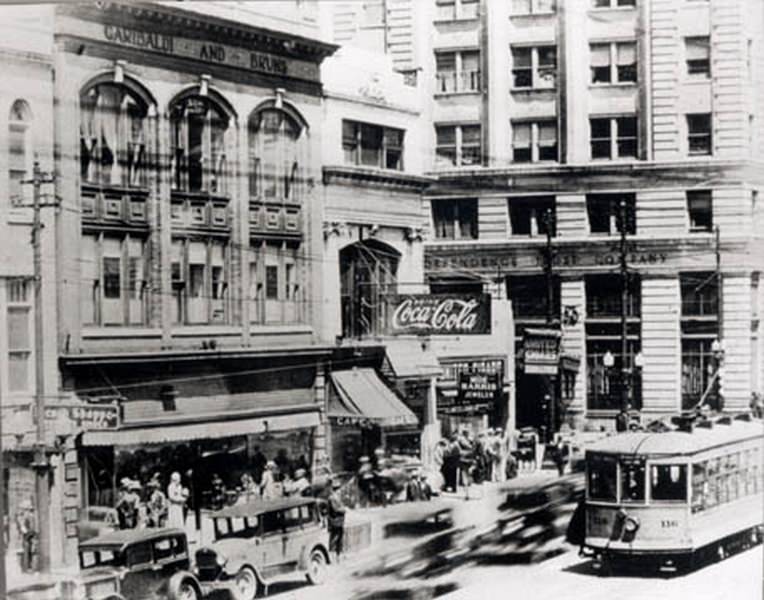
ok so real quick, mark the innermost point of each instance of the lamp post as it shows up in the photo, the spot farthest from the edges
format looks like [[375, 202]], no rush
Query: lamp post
[[608, 360]]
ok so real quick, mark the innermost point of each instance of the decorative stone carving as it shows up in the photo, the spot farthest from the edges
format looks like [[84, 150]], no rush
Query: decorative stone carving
[[338, 228], [415, 234]]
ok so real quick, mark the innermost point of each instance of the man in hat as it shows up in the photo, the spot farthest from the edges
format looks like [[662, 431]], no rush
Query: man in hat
[[300, 485], [127, 507], [219, 492], [157, 506], [336, 516], [25, 522]]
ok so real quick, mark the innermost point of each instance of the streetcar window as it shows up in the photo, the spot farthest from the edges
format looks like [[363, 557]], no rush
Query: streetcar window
[[632, 482], [699, 487], [668, 482], [602, 479]]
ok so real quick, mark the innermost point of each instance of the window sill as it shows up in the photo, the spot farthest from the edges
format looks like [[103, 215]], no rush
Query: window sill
[[285, 329], [530, 164], [441, 21], [550, 13], [119, 331], [616, 84], [459, 93], [696, 79], [205, 330], [601, 9], [531, 90]]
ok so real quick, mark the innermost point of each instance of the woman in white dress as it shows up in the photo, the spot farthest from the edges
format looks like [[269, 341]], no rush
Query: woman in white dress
[[176, 499]]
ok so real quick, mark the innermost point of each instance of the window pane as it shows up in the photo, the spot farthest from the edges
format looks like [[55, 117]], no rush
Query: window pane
[[697, 48], [602, 479], [445, 135], [272, 282], [18, 329], [627, 62], [668, 482], [471, 134], [18, 371], [600, 63], [196, 287], [111, 277], [470, 61], [633, 482]]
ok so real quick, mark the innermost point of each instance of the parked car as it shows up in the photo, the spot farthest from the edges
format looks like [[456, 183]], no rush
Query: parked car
[[259, 540], [137, 564], [95, 521]]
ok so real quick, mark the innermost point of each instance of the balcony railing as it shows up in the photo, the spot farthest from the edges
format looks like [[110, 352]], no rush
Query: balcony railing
[[454, 82]]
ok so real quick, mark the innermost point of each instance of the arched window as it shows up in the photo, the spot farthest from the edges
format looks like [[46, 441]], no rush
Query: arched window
[[199, 127], [276, 146], [20, 155], [368, 276], [113, 136]]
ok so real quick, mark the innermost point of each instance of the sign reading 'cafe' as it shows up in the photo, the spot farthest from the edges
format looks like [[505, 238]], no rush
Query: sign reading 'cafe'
[[439, 314]]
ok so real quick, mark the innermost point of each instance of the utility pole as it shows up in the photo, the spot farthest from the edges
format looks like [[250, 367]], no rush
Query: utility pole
[[624, 308], [548, 265], [40, 464]]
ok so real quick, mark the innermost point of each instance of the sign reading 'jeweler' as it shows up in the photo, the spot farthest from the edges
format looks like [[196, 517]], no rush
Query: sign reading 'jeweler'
[[222, 54], [440, 314]]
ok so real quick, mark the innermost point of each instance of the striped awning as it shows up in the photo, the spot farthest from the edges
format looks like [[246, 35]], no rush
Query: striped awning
[[362, 393]]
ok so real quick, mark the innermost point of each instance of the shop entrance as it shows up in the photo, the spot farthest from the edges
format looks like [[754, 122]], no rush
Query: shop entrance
[[529, 399]]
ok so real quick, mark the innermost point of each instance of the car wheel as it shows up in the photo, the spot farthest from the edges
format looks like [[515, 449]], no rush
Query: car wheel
[[317, 567], [246, 584], [185, 590]]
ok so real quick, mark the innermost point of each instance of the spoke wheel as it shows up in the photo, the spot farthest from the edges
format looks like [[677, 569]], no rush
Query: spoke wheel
[[186, 591], [317, 567], [246, 584]]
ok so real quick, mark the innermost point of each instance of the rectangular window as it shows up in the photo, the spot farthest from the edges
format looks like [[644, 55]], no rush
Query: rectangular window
[[449, 10], [521, 142], [699, 134], [111, 277], [604, 296], [699, 290], [455, 219], [668, 483], [458, 145], [529, 295], [633, 478], [613, 62], [604, 212], [272, 282], [197, 296], [698, 56], [613, 137], [534, 67], [19, 348], [471, 153], [699, 210], [533, 7], [613, 3], [445, 145], [529, 216], [372, 145], [457, 71], [602, 475]]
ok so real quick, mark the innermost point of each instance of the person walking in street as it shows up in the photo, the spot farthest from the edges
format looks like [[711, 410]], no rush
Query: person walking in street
[[622, 419], [336, 517], [439, 459], [366, 482], [25, 522], [177, 500]]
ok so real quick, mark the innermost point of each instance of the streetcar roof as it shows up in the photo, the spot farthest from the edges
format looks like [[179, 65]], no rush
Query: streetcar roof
[[679, 442]]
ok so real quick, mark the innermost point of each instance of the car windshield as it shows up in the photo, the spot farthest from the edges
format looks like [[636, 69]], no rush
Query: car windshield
[[241, 527], [100, 558], [632, 481], [602, 478]]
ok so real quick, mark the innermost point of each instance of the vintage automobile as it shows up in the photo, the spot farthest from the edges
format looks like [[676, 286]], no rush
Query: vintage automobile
[[260, 540], [137, 564], [129, 564]]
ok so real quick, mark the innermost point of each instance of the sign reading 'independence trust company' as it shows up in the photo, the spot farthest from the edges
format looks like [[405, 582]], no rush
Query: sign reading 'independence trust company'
[[439, 314]]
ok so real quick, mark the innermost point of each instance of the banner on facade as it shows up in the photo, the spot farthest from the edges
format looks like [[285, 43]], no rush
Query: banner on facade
[[478, 388], [439, 314], [541, 351]]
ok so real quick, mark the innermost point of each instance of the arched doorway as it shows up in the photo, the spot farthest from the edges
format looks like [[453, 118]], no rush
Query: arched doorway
[[368, 276]]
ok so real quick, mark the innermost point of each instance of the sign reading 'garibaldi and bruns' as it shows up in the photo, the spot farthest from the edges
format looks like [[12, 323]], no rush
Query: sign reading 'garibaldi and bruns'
[[439, 314]]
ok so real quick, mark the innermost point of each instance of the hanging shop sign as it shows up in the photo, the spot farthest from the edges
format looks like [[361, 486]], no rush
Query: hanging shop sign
[[475, 388], [541, 351], [95, 416], [440, 314]]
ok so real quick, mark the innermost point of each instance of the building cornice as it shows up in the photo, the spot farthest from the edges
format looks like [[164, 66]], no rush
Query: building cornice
[[171, 20], [370, 177]]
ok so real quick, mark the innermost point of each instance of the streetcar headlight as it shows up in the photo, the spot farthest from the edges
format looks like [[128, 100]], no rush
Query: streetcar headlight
[[631, 524]]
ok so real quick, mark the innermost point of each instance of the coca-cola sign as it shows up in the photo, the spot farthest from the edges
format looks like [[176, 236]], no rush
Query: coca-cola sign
[[440, 314]]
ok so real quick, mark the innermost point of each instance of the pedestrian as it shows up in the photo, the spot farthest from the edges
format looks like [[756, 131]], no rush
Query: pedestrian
[[127, 506], [560, 454], [425, 489], [466, 461], [25, 523], [413, 489], [177, 501], [757, 405], [248, 488], [336, 516], [219, 495], [157, 504], [622, 419], [451, 463], [258, 465], [299, 486], [366, 482], [494, 447], [268, 488]]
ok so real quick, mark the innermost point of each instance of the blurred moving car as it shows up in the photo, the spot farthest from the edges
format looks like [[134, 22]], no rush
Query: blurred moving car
[[96, 520], [259, 540]]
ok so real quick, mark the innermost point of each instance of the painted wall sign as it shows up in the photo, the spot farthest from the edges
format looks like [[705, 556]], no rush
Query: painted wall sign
[[440, 314], [204, 51]]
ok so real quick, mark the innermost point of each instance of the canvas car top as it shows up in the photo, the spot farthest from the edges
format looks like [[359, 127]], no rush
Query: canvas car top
[[259, 507], [121, 538]]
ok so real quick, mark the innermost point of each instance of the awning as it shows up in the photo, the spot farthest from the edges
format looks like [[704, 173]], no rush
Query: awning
[[163, 432], [361, 393], [409, 359]]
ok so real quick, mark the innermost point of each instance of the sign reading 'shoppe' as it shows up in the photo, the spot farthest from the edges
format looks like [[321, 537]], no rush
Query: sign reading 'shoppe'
[[440, 314]]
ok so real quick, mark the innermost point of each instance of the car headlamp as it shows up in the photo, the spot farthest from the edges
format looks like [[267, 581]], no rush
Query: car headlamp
[[631, 524]]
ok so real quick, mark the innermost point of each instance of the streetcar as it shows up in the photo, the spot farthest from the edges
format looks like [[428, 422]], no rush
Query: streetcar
[[676, 498]]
